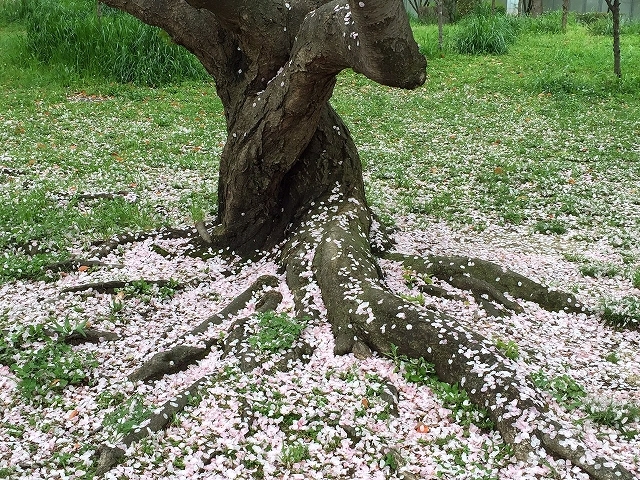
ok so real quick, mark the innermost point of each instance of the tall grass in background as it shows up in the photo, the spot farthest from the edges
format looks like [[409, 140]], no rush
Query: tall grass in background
[[484, 32], [13, 11], [601, 24], [89, 39], [84, 38], [541, 59], [548, 22]]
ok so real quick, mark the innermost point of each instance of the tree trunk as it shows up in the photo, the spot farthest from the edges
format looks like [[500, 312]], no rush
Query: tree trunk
[[614, 8], [531, 7], [536, 8], [282, 135], [565, 15], [441, 26], [290, 176]]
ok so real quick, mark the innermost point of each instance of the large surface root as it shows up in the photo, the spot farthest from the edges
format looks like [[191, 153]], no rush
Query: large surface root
[[110, 455], [489, 281], [361, 309], [182, 355], [112, 285], [234, 346], [330, 269], [102, 248]]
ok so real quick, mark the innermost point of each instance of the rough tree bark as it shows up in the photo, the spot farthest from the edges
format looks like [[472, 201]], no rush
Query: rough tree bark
[[536, 8], [290, 175], [614, 8], [531, 7], [440, 6]]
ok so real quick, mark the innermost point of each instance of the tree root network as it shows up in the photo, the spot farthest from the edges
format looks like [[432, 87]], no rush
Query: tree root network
[[330, 257]]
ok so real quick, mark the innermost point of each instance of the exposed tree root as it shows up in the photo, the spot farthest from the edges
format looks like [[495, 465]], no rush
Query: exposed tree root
[[100, 195], [361, 309], [489, 281], [110, 455], [235, 344], [102, 248], [112, 285], [329, 264], [73, 264], [92, 196], [203, 231], [182, 355], [12, 172], [90, 335]]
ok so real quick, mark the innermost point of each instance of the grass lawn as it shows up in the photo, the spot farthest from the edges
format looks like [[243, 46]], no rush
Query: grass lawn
[[530, 159]]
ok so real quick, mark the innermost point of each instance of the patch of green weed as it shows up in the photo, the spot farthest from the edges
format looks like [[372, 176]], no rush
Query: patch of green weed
[[548, 227], [392, 459], [106, 399], [276, 331], [127, 415], [564, 389], [509, 348], [622, 313], [612, 357], [599, 269], [7, 472], [452, 396], [619, 417], [43, 363], [419, 298], [294, 453]]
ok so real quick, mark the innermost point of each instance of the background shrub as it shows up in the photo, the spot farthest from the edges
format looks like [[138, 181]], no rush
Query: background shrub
[[484, 32], [13, 11], [90, 39], [548, 22], [602, 24], [426, 37], [590, 17]]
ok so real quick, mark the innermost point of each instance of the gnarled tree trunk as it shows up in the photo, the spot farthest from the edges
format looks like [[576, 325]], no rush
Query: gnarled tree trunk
[[290, 175], [614, 8]]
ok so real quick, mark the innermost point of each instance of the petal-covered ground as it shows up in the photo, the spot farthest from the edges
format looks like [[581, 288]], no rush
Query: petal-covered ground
[[509, 166], [327, 418]]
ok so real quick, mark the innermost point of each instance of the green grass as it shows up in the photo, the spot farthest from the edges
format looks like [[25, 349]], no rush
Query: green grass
[[43, 364], [294, 453], [509, 348], [276, 331], [623, 313], [127, 415], [599, 269], [543, 138], [564, 389], [42, 222], [85, 38], [518, 138]]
